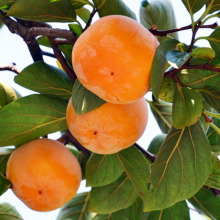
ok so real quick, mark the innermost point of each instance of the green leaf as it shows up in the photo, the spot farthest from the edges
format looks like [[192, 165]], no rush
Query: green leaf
[[83, 100], [179, 211], [113, 7], [214, 138], [199, 79], [207, 203], [137, 169], [4, 156], [5, 4], [45, 79], [76, 28], [77, 208], [5, 184], [43, 10], [84, 14], [194, 5], [214, 176], [29, 117], [113, 197], [181, 167], [156, 143], [8, 211], [214, 40], [133, 212], [215, 6], [168, 90], [176, 58], [7, 95], [212, 97], [162, 112], [159, 65], [158, 13], [187, 107], [79, 3], [102, 169]]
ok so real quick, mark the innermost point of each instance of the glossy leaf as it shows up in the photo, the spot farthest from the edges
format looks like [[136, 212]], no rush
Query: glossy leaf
[[113, 197], [7, 95], [45, 79], [6, 4], [214, 176], [113, 7], [176, 58], [215, 5], [102, 170], [77, 208], [133, 212], [187, 107], [181, 168], [214, 138], [4, 183], [29, 117], [43, 10], [194, 5], [79, 3], [212, 97], [8, 211], [83, 100], [162, 112], [179, 211], [199, 79], [137, 169], [84, 14], [158, 13], [159, 65], [168, 90], [156, 143], [207, 203], [214, 40]]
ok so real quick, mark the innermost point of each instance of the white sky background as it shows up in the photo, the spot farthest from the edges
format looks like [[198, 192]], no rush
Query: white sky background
[[13, 49]]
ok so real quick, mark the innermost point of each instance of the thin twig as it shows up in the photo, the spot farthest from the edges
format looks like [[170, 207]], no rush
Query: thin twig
[[62, 60], [90, 19], [206, 66], [146, 153], [163, 33], [68, 137], [10, 67], [45, 53]]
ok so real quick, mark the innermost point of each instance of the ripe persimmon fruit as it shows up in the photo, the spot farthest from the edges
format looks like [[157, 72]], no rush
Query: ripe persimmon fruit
[[44, 174], [110, 127], [113, 58]]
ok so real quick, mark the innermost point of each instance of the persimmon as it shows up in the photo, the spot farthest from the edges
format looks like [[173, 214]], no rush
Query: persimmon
[[44, 174], [110, 127], [113, 58]]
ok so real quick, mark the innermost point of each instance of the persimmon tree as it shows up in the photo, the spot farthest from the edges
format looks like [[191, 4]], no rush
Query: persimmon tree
[[179, 167]]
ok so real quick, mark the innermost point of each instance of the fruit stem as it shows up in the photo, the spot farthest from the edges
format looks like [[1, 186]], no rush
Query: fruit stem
[[146, 153]]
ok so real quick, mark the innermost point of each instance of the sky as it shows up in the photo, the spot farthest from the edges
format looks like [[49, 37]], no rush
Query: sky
[[13, 49]]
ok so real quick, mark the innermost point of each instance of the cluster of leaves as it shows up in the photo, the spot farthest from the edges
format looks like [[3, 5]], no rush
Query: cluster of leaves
[[185, 83]]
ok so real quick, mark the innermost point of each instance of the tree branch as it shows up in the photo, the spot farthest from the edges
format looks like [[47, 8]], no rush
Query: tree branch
[[68, 137], [206, 66], [90, 19], [146, 153], [10, 67], [163, 33], [62, 60]]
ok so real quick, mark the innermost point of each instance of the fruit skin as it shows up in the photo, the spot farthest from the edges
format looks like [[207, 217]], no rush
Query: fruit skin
[[113, 58], [44, 174], [109, 128]]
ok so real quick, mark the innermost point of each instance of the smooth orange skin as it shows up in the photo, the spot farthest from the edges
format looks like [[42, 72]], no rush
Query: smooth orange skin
[[109, 128], [113, 59], [44, 174]]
